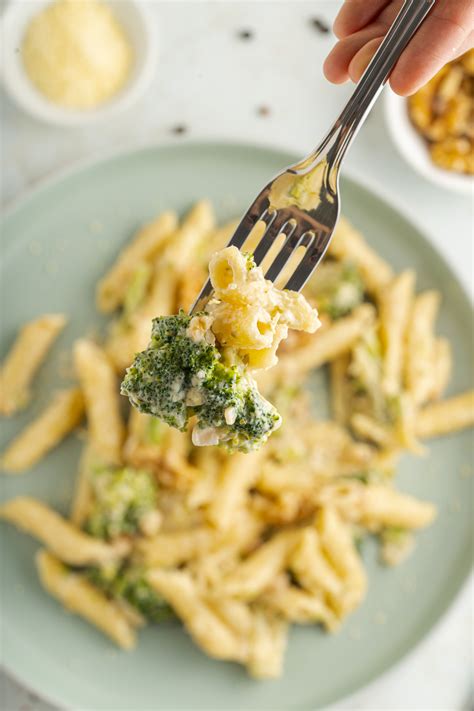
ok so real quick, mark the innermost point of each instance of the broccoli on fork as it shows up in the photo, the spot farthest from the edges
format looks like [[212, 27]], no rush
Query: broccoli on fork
[[183, 373], [200, 365]]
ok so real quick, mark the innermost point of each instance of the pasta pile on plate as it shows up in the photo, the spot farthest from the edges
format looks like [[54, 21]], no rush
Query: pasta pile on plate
[[237, 546]]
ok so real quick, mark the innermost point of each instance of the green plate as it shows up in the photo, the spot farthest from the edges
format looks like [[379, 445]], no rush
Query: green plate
[[57, 243]]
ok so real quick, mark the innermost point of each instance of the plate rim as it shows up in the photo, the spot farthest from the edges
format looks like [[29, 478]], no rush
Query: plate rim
[[288, 155]]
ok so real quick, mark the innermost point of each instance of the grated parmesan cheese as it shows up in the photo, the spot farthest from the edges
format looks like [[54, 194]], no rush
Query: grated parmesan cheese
[[76, 53]]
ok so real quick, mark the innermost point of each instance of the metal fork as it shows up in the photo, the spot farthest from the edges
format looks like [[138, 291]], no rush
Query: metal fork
[[301, 205]]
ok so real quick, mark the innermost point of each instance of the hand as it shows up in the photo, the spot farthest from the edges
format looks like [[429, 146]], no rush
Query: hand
[[360, 26]]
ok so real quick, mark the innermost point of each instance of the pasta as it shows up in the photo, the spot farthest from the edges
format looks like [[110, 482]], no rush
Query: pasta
[[311, 567], [338, 544], [204, 625], [25, 357], [347, 243], [420, 361], [339, 390], [149, 240], [82, 492], [333, 341], [80, 597], [301, 607], [60, 417], [446, 416], [238, 546], [67, 542], [256, 573], [382, 506], [394, 308], [98, 382]]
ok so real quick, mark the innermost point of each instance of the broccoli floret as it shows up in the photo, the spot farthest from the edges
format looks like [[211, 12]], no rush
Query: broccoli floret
[[128, 582], [181, 375], [337, 288], [233, 404], [122, 498], [160, 378]]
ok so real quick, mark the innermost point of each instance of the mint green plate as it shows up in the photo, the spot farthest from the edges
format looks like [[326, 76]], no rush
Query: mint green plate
[[57, 243]]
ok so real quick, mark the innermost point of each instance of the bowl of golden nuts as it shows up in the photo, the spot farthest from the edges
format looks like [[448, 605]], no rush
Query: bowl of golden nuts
[[434, 128]]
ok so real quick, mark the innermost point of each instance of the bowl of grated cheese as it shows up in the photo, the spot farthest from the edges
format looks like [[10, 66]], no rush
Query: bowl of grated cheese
[[76, 62]]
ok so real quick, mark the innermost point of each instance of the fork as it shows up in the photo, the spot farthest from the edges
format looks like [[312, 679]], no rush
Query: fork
[[301, 205]]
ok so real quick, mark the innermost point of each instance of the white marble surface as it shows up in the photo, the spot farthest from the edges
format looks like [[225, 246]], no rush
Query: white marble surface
[[214, 83]]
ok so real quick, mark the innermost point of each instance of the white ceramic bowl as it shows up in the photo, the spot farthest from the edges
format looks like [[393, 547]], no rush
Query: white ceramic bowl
[[141, 32], [413, 148]]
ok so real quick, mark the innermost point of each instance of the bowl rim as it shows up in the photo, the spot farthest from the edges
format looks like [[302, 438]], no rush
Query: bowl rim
[[32, 102], [399, 127]]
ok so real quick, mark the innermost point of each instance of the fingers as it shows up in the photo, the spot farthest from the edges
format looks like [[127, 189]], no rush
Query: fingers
[[357, 14], [443, 36], [336, 66], [360, 61], [466, 45], [438, 41]]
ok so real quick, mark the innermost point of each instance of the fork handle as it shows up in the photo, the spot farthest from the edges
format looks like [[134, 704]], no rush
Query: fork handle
[[410, 17]]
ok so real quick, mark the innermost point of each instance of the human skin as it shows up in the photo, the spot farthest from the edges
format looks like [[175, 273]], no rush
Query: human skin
[[360, 26]]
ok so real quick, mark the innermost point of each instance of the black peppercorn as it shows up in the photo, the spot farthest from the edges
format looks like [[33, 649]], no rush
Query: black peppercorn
[[320, 25]]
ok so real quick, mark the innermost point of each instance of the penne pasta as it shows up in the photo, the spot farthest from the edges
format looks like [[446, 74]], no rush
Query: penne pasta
[[267, 645], [405, 425], [256, 572], [420, 356], [176, 547], [80, 597], [238, 474], [395, 302], [83, 491], [149, 240], [67, 542], [382, 506], [340, 393], [53, 424], [338, 544], [203, 624], [442, 368], [99, 384], [127, 336], [208, 463], [331, 342], [300, 607], [26, 355], [198, 223], [218, 239], [160, 301], [234, 613], [349, 245], [311, 567], [446, 416], [368, 428]]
